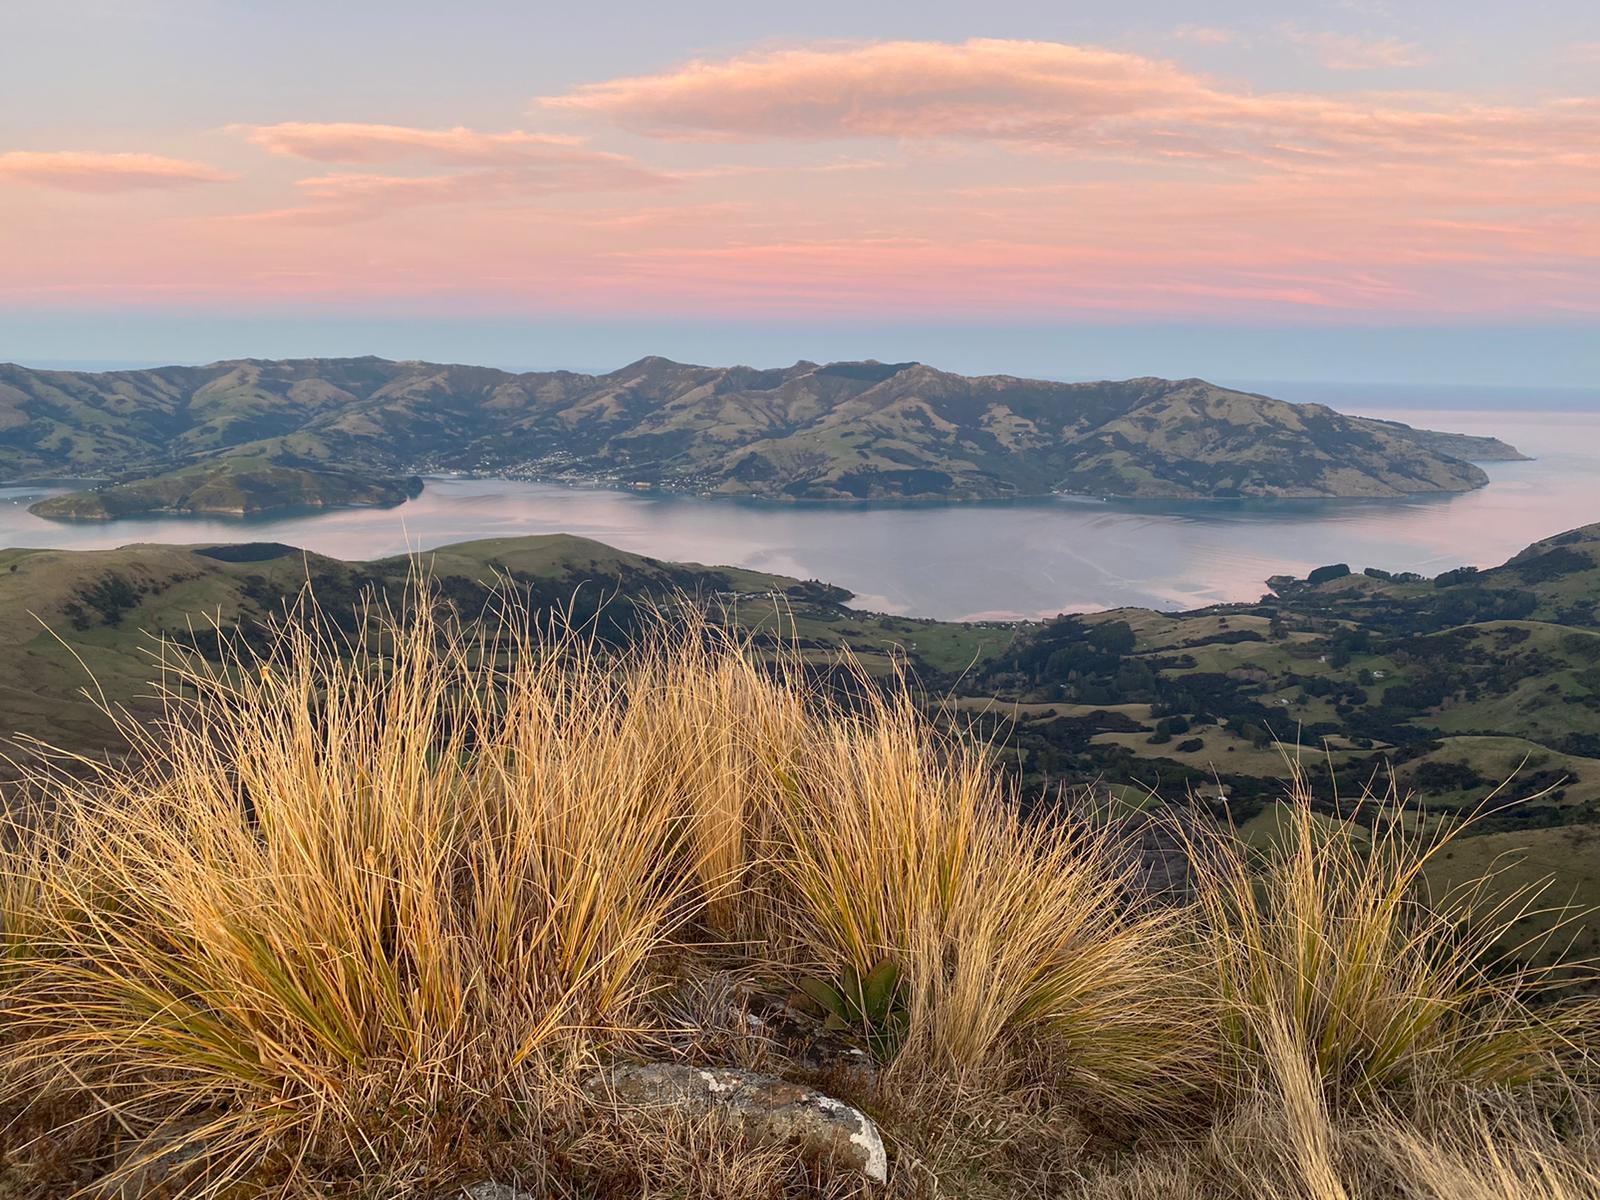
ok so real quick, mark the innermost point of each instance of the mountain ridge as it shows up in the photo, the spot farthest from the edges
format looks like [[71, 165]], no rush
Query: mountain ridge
[[861, 430]]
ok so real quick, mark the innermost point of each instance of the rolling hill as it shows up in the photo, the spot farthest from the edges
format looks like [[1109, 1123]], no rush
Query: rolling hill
[[1374, 661], [355, 430], [78, 622], [1451, 685]]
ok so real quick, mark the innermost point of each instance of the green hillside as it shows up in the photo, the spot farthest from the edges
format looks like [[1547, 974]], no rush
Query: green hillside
[[351, 430], [1450, 687], [77, 621], [67, 615], [233, 486]]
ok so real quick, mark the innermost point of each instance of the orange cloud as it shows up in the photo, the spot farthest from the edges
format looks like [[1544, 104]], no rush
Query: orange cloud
[[89, 171], [1068, 98], [351, 142]]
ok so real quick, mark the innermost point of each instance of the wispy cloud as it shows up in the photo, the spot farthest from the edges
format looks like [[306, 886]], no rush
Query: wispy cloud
[[346, 198], [354, 142], [91, 171], [1350, 52], [501, 166], [1206, 35]]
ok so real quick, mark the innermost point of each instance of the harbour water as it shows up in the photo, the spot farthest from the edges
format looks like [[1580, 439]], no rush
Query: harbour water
[[950, 561]]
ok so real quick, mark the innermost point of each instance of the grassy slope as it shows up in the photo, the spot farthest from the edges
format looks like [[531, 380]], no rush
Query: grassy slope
[[1531, 670], [47, 657], [1516, 691], [1528, 679], [365, 929], [52, 635], [1451, 708]]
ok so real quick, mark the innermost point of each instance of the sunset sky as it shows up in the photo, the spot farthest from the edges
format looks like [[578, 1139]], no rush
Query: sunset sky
[[1349, 189]]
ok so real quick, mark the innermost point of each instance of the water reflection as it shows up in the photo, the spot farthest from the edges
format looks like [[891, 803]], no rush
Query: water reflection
[[998, 560]]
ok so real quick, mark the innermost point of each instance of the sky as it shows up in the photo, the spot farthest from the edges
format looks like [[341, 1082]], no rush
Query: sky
[[1361, 190]]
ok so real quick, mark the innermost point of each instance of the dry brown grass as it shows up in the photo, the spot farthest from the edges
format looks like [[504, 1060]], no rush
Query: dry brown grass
[[372, 910], [1477, 1158], [1256, 1154], [1014, 942], [1329, 949], [351, 895]]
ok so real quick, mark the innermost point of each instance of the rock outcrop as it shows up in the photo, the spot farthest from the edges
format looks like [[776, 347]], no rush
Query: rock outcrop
[[761, 1105]]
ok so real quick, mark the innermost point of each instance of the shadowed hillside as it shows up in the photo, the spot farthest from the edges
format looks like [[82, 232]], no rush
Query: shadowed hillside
[[76, 620]]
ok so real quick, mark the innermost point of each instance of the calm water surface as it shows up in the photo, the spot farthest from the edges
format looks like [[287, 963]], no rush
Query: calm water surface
[[967, 560]]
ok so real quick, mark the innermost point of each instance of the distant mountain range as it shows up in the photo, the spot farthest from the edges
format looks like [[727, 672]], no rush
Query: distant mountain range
[[252, 435]]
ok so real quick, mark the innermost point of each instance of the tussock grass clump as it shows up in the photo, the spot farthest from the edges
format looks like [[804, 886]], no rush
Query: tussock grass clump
[[345, 891], [1330, 949], [1009, 943], [1477, 1157], [374, 906]]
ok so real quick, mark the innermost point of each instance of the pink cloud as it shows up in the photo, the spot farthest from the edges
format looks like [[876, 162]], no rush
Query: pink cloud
[[1348, 52], [1009, 179], [1100, 251], [504, 166], [984, 88], [1073, 99], [89, 171], [352, 142]]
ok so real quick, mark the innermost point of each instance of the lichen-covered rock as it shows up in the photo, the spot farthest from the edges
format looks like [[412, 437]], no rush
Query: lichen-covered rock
[[761, 1104], [493, 1191]]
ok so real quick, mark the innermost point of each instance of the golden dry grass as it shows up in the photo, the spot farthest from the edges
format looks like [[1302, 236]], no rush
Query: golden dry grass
[[1012, 940], [1329, 948], [372, 909], [347, 894]]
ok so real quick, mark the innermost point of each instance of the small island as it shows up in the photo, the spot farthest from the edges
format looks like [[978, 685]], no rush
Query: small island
[[231, 487]]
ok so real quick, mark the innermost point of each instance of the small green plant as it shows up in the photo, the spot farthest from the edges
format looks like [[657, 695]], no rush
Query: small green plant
[[866, 1007]]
